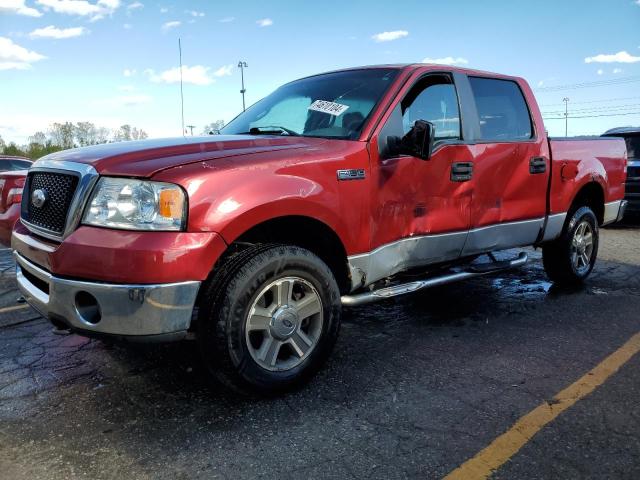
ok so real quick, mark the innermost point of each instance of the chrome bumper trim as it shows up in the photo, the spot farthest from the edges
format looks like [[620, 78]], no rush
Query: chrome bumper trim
[[612, 211], [127, 310]]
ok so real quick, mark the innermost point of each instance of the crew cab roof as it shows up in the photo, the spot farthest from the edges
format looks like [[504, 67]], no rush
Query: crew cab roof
[[415, 66]]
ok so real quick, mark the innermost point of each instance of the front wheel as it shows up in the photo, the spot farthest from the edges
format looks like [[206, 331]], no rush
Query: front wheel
[[569, 259], [269, 319]]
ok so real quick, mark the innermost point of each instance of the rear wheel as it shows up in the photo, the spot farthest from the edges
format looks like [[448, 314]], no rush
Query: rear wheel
[[269, 319], [570, 258]]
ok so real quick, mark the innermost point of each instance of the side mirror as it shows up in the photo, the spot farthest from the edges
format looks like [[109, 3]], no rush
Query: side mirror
[[418, 142]]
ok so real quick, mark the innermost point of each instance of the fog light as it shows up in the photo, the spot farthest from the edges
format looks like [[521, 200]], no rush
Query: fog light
[[88, 308]]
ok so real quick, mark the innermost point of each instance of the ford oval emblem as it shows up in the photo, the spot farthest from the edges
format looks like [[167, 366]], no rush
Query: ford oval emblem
[[39, 198]]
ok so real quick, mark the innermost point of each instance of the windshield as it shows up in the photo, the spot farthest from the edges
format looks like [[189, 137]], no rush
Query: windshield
[[334, 105]]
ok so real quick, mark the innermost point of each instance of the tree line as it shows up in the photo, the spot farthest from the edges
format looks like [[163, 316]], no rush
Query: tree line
[[62, 136]]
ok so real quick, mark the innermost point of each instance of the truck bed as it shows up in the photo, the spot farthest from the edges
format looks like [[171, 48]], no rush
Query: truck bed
[[578, 160]]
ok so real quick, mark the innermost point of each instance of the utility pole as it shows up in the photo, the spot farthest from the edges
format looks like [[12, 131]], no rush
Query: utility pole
[[242, 65], [566, 116], [190, 127], [181, 93]]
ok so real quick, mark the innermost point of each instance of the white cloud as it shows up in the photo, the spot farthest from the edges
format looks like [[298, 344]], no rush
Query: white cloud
[[264, 22], [540, 83], [58, 33], [127, 26], [169, 25], [196, 75], [193, 13], [389, 36], [126, 88], [223, 71], [129, 72], [620, 57], [135, 6], [164, 10], [617, 70], [83, 8], [227, 19], [600, 71], [19, 8], [447, 61], [15, 57]]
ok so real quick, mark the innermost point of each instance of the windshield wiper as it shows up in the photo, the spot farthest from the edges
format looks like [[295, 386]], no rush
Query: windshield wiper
[[272, 130]]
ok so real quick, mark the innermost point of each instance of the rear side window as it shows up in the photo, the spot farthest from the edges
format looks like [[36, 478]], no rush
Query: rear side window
[[503, 112]]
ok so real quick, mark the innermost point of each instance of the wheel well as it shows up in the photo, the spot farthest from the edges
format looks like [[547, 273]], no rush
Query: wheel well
[[592, 196], [308, 233]]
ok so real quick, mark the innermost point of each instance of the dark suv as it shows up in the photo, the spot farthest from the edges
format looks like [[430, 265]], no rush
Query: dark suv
[[631, 136]]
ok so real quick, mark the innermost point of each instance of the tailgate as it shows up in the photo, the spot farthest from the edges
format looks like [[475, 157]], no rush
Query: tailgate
[[11, 184]]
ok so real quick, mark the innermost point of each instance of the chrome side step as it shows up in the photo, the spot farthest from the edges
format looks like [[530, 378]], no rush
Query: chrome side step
[[395, 290]]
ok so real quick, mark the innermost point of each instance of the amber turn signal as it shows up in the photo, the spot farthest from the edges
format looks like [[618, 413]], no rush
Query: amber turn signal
[[171, 203]]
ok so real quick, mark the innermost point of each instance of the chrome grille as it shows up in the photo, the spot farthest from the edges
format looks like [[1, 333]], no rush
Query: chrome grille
[[59, 189]]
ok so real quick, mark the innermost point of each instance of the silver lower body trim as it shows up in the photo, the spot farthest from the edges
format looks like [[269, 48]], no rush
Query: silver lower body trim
[[419, 251], [613, 211], [502, 235], [114, 309], [404, 254], [555, 224]]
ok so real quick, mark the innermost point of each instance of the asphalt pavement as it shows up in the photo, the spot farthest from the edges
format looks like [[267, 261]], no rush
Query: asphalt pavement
[[416, 387]]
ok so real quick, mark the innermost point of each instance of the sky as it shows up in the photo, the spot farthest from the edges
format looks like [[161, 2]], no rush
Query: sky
[[113, 62]]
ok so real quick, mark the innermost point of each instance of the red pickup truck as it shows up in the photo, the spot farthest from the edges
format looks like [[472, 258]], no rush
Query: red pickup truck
[[323, 194], [11, 183]]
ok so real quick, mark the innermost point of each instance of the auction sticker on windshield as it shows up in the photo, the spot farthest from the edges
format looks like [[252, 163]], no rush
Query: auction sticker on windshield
[[328, 107]]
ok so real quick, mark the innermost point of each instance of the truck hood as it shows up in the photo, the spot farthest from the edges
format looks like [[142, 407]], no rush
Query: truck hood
[[144, 158]]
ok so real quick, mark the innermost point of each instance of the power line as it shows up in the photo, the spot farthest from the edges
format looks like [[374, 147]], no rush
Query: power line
[[608, 109], [598, 83], [594, 116], [591, 101]]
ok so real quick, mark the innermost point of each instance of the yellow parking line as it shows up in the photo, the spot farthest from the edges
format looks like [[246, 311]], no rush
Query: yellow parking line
[[14, 308], [507, 445]]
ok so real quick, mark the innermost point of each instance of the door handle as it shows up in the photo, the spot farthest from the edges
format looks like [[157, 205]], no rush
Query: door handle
[[537, 165], [461, 171]]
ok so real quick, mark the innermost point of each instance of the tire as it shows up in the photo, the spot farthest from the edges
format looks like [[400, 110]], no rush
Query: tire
[[256, 342], [563, 258]]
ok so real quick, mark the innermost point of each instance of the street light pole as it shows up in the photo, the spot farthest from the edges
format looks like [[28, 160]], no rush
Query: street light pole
[[181, 93], [190, 127], [566, 116], [242, 65]]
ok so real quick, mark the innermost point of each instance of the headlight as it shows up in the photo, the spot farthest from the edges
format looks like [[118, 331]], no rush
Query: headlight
[[136, 205]]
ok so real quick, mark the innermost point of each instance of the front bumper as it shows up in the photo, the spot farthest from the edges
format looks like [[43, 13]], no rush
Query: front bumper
[[160, 310]]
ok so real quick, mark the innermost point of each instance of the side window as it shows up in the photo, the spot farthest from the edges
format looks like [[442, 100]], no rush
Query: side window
[[433, 99], [437, 104], [502, 110]]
